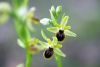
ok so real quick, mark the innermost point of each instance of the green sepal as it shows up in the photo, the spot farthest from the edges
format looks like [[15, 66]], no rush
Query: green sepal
[[64, 21], [53, 12], [70, 33], [58, 10], [59, 52], [53, 29], [20, 43], [67, 27], [44, 36]]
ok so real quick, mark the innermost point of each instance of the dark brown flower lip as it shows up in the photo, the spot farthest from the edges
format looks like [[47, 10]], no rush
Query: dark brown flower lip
[[48, 53], [60, 35]]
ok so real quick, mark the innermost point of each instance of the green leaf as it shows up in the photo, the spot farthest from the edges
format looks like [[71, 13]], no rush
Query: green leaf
[[44, 36], [69, 33], [59, 52], [53, 29], [20, 43], [64, 21]]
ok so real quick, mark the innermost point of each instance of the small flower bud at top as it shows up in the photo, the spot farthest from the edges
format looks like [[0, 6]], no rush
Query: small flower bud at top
[[45, 21]]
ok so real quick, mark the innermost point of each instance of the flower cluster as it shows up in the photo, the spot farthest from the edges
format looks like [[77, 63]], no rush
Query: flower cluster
[[24, 20], [60, 30]]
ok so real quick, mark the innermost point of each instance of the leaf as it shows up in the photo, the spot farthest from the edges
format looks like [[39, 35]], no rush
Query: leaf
[[44, 36], [64, 21], [20, 43], [53, 29], [70, 33], [59, 52]]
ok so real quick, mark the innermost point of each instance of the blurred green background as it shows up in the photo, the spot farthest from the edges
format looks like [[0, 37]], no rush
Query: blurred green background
[[82, 51]]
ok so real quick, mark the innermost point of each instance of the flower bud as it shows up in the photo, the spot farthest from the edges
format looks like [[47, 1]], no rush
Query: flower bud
[[45, 21]]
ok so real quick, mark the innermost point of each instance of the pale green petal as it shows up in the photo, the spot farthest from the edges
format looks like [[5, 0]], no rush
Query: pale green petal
[[58, 46], [44, 36], [20, 43], [59, 52], [53, 29], [43, 45], [55, 40], [69, 33], [67, 27], [64, 21]]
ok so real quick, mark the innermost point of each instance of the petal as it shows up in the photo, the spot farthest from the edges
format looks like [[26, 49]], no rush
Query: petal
[[69, 33], [64, 21], [59, 52], [55, 40], [53, 29], [44, 45], [20, 43], [58, 46], [67, 27]]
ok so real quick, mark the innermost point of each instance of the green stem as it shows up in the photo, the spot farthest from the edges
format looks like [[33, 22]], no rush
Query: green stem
[[58, 61], [28, 58]]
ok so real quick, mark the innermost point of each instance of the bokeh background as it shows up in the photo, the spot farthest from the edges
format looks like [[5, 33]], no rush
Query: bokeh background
[[82, 51]]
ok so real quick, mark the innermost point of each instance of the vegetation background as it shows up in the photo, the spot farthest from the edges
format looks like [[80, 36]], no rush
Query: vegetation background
[[82, 51]]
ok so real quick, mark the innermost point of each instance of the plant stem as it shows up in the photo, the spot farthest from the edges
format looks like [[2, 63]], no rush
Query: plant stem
[[28, 58], [58, 61]]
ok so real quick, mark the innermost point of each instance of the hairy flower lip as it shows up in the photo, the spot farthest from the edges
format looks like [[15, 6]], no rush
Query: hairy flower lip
[[60, 35], [48, 53]]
